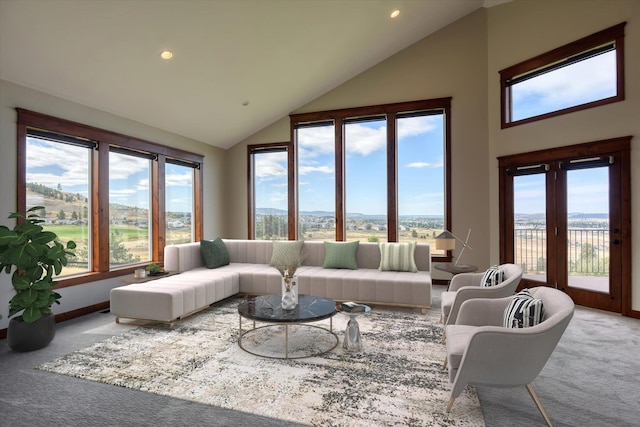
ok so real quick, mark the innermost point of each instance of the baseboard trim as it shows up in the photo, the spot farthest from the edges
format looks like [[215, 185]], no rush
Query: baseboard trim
[[71, 314]]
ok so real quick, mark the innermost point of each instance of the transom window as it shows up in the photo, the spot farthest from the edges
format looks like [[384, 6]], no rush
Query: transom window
[[586, 73]]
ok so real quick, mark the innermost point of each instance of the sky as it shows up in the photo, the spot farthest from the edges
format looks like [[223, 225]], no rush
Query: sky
[[53, 164], [420, 159], [420, 169]]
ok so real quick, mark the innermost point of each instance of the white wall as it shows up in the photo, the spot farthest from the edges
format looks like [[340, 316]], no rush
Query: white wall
[[522, 29], [452, 62], [13, 96]]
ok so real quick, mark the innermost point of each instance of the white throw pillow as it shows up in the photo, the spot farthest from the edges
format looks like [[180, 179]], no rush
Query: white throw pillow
[[523, 311], [493, 276]]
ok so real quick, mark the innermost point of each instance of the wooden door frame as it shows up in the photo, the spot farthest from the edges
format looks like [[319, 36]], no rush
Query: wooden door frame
[[594, 148]]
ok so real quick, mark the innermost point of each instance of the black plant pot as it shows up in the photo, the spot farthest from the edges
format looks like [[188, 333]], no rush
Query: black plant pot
[[23, 336]]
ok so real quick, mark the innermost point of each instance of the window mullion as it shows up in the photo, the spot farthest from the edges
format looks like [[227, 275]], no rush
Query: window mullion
[[100, 208]]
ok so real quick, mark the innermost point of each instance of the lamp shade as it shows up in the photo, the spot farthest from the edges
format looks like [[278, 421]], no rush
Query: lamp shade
[[446, 241]]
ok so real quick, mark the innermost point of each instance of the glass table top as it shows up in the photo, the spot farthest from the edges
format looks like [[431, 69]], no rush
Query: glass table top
[[268, 308]]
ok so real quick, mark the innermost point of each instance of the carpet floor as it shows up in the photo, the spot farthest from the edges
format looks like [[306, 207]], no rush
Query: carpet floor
[[397, 380]]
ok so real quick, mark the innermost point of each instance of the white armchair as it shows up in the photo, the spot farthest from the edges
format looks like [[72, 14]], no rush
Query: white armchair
[[466, 286], [481, 351]]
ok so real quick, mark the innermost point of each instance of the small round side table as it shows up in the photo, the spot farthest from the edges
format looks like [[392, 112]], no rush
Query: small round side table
[[450, 267], [352, 340]]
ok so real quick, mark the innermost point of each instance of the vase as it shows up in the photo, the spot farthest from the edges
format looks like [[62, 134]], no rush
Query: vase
[[289, 292], [23, 336]]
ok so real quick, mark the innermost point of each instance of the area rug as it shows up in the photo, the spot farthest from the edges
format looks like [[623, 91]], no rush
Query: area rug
[[397, 379]]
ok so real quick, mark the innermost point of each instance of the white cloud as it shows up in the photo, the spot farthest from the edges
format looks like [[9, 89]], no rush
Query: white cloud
[[50, 164], [271, 165], [420, 125], [426, 165], [572, 85], [179, 179], [364, 140], [303, 170]]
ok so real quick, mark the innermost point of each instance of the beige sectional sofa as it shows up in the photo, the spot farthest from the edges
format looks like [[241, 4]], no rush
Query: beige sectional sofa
[[196, 287]]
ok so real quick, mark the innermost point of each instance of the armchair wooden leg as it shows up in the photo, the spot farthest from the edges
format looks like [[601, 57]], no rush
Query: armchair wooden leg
[[444, 338], [444, 365], [451, 400], [534, 396]]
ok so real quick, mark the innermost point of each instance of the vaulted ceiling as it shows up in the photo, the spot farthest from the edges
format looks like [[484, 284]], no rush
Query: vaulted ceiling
[[272, 55]]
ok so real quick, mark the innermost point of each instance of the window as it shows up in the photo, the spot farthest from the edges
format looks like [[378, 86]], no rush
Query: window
[[365, 142], [421, 177], [373, 173], [316, 181], [62, 188], [269, 198], [119, 198], [583, 74], [179, 210], [129, 203]]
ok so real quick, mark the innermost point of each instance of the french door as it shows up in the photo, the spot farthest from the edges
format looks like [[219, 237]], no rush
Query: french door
[[565, 218]]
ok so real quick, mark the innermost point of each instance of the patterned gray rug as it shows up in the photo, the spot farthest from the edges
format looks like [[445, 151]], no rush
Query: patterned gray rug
[[397, 380]]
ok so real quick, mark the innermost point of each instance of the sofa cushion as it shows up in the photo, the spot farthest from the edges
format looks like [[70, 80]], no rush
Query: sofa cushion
[[286, 255], [397, 257], [214, 253], [493, 276], [523, 311], [341, 255]]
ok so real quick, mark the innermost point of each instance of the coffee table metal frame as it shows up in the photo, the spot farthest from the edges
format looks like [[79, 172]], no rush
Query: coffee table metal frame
[[291, 319]]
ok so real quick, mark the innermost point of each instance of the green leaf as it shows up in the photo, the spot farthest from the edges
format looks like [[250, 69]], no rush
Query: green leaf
[[29, 296], [31, 314], [71, 245], [20, 281], [7, 236], [44, 237], [57, 267], [41, 284]]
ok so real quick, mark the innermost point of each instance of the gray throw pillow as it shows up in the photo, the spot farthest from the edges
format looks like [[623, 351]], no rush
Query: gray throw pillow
[[286, 254], [214, 253], [341, 255]]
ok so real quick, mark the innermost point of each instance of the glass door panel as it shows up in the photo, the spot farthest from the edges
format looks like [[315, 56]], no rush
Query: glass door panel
[[530, 225], [588, 228]]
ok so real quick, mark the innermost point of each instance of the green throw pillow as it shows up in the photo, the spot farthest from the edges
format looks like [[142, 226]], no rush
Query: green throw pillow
[[286, 254], [341, 255], [397, 257], [214, 253]]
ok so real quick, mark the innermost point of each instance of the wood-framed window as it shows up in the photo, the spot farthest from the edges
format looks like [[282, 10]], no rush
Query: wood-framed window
[[377, 173], [583, 74], [268, 195], [107, 192]]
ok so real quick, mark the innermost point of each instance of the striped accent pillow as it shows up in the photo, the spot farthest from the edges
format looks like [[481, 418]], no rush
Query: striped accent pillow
[[523, 311], [493, 276], [397, 257]]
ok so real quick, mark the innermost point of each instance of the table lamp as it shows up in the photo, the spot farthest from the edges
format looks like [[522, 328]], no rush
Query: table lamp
[[447, 241]]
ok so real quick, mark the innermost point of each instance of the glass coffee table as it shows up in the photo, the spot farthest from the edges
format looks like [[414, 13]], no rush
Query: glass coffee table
[[268, 309]]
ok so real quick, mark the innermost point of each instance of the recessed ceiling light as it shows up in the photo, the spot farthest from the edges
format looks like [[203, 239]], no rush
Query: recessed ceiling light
[[395, 13], [166, 54]]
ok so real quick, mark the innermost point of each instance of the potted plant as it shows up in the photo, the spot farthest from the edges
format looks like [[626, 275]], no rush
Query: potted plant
[[154, 269], [32, 256]]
